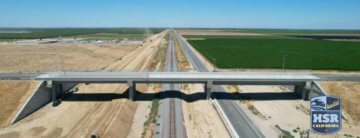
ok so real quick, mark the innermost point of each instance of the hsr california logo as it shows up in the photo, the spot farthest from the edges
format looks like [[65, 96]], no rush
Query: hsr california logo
[[325, 114]]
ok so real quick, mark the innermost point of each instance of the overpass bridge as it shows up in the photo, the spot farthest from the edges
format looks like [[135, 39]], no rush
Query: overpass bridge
[[303, 83], [55, 84], [59, 82], [56, 80]]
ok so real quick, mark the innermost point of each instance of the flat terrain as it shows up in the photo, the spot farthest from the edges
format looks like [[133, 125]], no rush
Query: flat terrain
[[113, 36], [276, 31], [81, 113], [39, 33], [247, 52], [216, 33], [272, 115], [40, 58]]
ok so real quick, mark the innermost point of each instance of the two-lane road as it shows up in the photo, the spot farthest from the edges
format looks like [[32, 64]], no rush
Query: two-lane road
[[238, 119]]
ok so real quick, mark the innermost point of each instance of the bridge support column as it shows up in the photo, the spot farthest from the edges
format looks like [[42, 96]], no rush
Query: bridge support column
[[132, 89], [303, 90], [208, 86], [56, 91]]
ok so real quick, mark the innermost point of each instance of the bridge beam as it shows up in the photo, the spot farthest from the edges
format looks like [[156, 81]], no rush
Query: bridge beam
[[132, 89], [207, 88]]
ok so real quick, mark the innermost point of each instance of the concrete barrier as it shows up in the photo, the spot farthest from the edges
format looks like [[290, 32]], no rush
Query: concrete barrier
[[224, 119], [40, 97]]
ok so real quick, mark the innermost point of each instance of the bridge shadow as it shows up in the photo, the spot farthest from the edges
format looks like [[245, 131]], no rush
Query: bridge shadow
[[141, 96]]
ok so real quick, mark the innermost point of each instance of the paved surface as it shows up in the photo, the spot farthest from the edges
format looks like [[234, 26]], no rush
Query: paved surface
[[19, 76], [170, 109], [240, 122], [176, 77]]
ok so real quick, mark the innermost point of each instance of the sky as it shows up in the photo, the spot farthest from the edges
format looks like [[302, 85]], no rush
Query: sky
[[283, 14]]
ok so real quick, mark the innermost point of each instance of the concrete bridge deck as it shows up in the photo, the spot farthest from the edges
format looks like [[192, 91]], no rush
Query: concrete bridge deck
[[219, 78], [177, 76]]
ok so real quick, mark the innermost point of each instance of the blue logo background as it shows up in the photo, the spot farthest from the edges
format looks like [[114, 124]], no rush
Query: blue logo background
[[325, 114]]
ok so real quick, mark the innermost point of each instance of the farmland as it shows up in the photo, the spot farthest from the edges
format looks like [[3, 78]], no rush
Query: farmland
[[281, 31], [269, 52], [37, 33], [113, 36]]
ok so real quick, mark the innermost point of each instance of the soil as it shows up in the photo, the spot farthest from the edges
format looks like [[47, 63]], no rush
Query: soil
[[99, 109], [350, 95], [42, 58], [13, 95]]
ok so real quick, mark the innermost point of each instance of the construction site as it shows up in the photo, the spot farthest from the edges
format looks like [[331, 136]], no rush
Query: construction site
[[155, 110]]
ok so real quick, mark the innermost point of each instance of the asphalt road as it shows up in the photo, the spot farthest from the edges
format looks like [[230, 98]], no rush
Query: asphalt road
[[238, 119], [170, 109]]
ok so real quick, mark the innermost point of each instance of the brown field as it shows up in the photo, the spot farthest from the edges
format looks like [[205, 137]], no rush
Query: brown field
[[350, 94], [79, 118], [38, 58], [13, 94]]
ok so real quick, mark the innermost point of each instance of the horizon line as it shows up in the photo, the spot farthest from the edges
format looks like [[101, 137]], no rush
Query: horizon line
[[266, 28]]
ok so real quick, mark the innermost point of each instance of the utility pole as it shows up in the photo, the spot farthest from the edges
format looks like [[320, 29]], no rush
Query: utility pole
[[283, 65]]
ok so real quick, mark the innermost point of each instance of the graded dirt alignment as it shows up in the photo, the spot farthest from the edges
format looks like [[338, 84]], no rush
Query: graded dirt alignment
[[34, 58], [79, 116]]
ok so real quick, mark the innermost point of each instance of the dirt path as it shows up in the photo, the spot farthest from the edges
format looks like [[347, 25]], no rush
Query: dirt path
[[112, 117]]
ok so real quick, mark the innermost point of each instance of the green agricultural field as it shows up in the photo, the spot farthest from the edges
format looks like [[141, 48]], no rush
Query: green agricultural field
[[282, 31], [36, 33], [269, 53]]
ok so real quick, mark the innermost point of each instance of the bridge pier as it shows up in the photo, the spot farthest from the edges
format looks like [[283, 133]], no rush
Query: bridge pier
[[207, 88], [304, 90], [56, 91], [132, 90]]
